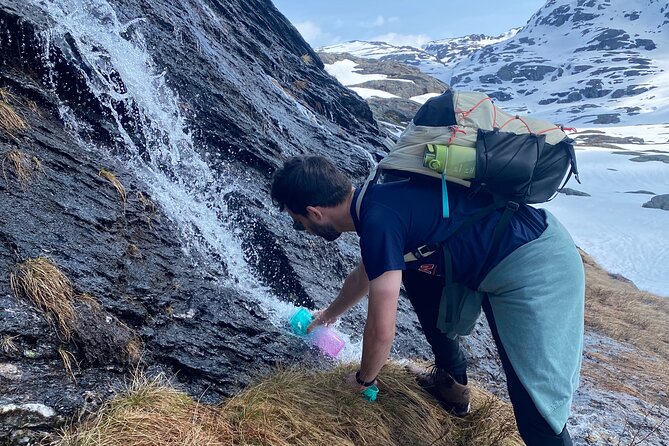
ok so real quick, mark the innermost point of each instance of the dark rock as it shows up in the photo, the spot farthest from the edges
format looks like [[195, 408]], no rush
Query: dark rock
[[646, 44], [593, 137], [580, 68], [608, 118], [558, 17], [658, 202], [594, 89], [490, 79], [569, 191], [500, 95], [525, 70], [609, 39], [645, 192], [396, 111], [580, 16], [634, 15], [547, 101], [646, 158]]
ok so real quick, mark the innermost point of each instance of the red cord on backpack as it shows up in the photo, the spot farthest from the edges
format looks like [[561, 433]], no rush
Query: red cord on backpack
[[468, 112], [456, 130]]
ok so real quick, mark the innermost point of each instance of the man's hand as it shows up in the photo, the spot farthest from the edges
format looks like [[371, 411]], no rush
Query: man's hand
[[355, 287], [321, 317]]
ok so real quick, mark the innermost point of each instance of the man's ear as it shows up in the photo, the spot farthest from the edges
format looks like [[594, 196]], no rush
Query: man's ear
[[315, 213]]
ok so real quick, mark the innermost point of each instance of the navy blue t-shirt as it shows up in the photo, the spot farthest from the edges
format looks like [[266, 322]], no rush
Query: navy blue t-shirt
[[399, 217]]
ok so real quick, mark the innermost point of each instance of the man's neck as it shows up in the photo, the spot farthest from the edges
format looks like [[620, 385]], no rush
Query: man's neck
[[344, 219]]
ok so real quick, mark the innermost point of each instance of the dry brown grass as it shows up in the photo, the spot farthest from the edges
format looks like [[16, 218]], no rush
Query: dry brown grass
[[301, 84], [116, 183], [42, 283], [23, 166], [10, 121], [8, 345], [149, 207], [68, 362], [617, 309], [294, 408]]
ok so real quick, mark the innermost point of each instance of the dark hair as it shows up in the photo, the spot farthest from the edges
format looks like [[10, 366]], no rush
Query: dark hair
[[309, 181]]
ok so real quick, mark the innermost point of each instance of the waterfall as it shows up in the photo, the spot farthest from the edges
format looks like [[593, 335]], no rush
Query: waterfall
[[159, 148], [120, 69]]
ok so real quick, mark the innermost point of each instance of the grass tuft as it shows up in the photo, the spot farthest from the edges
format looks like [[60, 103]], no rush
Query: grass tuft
[[42, 283], [10, 121], [68, 361], [116, 183], [8, 344], [23, 165], [294, 407], [149, 207], [619, 310]]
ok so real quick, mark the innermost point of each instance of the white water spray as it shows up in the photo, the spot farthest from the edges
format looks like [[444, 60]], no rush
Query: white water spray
[[122, 70]]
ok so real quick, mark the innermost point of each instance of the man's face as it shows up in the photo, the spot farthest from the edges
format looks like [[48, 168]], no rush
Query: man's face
[[324, 230]]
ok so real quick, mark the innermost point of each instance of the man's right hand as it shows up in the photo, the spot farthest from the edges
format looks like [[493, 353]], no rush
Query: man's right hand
[[321, 317]]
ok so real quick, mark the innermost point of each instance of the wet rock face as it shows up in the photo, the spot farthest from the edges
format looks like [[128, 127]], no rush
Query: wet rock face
[[253, 93]]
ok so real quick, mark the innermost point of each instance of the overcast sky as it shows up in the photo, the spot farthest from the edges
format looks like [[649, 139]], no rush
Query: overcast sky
[[402, 22]]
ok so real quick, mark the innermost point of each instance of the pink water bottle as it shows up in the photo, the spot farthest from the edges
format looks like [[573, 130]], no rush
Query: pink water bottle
[[322, 337], [327, 340]]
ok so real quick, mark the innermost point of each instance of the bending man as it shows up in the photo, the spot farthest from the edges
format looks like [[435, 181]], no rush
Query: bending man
[[531, 286]]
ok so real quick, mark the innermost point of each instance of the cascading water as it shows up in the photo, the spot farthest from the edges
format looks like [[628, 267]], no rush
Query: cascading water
[[158, 146]]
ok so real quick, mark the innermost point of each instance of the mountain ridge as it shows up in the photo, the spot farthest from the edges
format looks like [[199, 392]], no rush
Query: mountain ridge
[[575, 61]]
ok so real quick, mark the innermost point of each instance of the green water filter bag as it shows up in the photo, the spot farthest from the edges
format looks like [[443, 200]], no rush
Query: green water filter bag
[[454, 161]]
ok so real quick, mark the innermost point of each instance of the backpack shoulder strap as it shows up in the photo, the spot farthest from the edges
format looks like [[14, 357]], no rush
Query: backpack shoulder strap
[[426, 250], [371, 179]]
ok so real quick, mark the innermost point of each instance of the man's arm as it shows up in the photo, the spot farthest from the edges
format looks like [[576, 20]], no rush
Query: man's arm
[[355, 287], [380, 327]]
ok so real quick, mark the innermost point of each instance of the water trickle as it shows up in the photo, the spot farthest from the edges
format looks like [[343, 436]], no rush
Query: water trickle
[[118, 70]]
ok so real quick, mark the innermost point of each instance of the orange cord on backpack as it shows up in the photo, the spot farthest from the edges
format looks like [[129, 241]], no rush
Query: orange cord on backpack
[[468, 112], [456, 130]]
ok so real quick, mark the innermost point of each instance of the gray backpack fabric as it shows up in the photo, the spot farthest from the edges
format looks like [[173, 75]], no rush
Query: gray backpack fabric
[[519, 159]]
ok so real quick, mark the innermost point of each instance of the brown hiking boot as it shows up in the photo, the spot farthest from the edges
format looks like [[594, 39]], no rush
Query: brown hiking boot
[[453, 396]]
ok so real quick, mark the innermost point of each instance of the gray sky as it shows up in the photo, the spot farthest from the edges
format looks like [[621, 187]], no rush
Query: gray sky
[[323, 22]]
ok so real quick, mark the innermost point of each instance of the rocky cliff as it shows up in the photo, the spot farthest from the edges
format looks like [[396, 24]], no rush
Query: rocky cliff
[[136, 183]]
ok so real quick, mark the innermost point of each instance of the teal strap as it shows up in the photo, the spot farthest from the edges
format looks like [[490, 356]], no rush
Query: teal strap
[[444, 196], [370, 393]]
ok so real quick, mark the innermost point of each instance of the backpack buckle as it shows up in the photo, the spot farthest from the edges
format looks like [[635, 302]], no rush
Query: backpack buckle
[[512, 206], [423, 251]]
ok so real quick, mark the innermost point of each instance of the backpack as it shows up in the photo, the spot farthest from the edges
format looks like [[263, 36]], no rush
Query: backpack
[[463, 137]]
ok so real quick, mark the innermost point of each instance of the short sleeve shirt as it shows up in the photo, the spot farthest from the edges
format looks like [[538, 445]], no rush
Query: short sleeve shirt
[[399, 217]]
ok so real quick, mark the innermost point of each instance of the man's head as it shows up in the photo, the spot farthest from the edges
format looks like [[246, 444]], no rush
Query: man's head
[[306, 187]]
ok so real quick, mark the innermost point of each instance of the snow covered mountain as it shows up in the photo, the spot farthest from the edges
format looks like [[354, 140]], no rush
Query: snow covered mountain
[[584, 61], [426, 62], [451, 51], [575, 61]]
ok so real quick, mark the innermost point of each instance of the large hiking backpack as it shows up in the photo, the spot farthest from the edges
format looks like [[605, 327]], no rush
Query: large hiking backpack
[[523, 159], [515, 159]]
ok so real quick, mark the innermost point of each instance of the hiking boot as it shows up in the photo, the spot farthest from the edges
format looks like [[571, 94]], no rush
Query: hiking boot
[[453, 396]]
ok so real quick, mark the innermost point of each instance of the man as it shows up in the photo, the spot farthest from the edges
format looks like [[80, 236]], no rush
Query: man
[[531, 286]]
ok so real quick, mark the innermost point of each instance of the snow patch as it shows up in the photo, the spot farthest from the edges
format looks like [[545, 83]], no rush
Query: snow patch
[[40, 409]]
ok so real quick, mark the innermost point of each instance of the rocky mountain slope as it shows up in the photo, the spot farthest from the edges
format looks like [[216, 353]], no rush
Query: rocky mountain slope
[[393, 90], [575, 61], [140, 170]]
